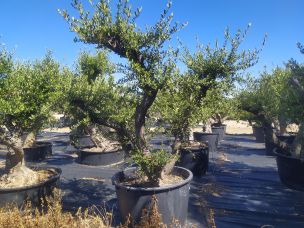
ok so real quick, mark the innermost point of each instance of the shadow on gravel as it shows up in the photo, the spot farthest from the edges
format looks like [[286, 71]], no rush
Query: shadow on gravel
[[89, 193], [60, 143], [247, 151], [240, 138], [60, 160], [250, 195]]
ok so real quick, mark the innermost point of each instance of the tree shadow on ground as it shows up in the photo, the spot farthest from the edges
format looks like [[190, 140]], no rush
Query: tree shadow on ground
[[247, 151], [239, 138], [89, 193], [59, 160]]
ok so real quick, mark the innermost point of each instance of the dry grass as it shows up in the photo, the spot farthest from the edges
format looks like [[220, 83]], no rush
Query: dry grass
[[151, 218], [52, 217]]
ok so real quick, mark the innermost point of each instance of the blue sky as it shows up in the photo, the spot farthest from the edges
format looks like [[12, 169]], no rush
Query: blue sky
[[31, 27]]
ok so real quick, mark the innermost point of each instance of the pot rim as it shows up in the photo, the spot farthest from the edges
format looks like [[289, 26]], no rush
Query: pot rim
[[85, 150], [283, 155], [39, 145], [152, 189], [222, 125], [50, 179], [43, 143], [206, 133]]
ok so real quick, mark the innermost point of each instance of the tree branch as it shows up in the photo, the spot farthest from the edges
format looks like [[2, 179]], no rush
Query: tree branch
[[102, 121]]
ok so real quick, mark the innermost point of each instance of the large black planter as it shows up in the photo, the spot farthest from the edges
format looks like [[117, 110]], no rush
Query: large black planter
[[172, 200], [269, 148], [46, 146], [97, 158], [38, 152], [195, 159], [220, 130], [290, 170], [34, 194], [258, 133], [210, 138]]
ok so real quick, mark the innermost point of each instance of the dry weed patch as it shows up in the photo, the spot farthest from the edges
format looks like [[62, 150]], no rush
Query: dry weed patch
[[52, 216]]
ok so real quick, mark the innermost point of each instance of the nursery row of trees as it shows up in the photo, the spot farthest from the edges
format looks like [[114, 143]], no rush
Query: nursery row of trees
[[274, 100], [152, 86]]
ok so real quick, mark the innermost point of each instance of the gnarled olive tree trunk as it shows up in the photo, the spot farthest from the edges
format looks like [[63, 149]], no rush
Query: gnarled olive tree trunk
[[15, 144], [15, 157], [297, 147], [271, 140], [140, 117]]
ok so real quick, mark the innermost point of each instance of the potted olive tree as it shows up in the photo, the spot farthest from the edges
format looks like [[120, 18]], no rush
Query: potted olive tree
[[28, 92], [94, 84], [264, 98], [191, 98], [125, 104], [290, 152]]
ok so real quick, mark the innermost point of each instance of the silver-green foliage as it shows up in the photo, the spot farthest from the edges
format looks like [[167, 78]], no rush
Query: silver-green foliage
[[198, 94]]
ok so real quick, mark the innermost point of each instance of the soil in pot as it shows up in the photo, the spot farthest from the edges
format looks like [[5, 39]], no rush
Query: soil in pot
[[290, 170], [220, 130], [96, 156], [258, 133], [33, 185], [172, 198], [210, 138], [194, 158]]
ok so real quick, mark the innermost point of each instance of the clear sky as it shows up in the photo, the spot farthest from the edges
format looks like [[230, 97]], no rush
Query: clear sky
[[31, 27]]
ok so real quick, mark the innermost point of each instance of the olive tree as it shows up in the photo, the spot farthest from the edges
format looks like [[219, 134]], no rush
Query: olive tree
[[28, 94], [95, 98], [149, 65], [267, 100], [93, 71], [296, 83], [210, 77]]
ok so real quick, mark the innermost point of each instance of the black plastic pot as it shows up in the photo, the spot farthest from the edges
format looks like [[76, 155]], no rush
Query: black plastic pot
[[290, 170], [46, 146], [220, 130], [88, 157], [34, 194], [269, 148], [286, 138], [36, 153], [172, 200], [210, 138], [84, 142], [195, 159], [258, 133]]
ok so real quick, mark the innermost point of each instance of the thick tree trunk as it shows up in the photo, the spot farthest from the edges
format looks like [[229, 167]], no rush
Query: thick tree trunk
[[269, 133], [218, 118], [282, 125], [297, 147], [100, 140], [30, 139], [15, 157], [140, 118], [122, 132]]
